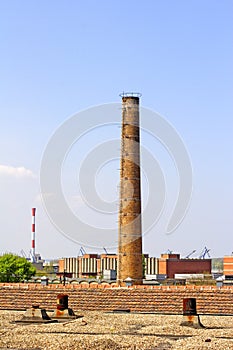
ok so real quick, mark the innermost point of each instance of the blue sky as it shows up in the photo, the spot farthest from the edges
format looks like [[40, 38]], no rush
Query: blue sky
[[58, 58]]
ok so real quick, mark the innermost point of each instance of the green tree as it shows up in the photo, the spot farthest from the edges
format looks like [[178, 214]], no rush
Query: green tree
[[14, 268]]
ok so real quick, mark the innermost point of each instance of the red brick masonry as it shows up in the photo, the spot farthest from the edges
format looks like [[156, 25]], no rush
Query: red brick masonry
[[157, 299]]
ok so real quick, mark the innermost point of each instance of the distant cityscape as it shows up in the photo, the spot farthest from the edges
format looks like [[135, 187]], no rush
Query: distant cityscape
[[130, 266], [169, 268]]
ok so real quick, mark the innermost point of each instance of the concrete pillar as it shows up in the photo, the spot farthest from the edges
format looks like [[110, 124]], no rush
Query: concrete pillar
[[130, 227]]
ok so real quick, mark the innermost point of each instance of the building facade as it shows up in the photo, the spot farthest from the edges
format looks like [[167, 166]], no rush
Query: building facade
[[171, 264], [94, 265], [88, 265], [228, 265]]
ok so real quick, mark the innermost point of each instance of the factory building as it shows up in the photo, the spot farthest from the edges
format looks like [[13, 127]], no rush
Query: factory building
[[168, 265], [228, 265], [88, 265], [151, 266], [172, 264]]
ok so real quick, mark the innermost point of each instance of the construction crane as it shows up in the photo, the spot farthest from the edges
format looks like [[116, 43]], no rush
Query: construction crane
[[204, 252], [81, 251], [187, 256], [105, 250], [23, 254]]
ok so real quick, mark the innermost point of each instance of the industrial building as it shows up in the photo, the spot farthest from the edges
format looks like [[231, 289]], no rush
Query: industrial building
[[88, 265], [167, 266], [228, 266], [172, 264]]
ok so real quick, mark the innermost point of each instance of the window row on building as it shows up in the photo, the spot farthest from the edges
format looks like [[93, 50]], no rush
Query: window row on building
[[94, 265]]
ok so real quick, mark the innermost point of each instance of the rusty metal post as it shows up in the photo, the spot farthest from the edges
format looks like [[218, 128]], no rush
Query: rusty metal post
[[190, 316], [189, 306], [62, 301], [63, 311]]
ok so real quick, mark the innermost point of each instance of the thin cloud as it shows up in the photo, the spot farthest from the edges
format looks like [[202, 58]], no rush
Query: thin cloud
[[17, 172]]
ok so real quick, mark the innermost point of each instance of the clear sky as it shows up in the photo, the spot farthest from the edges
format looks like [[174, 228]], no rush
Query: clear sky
[[58, 58]]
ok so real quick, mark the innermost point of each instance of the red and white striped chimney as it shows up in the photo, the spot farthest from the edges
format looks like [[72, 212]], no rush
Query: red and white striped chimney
[[33, 234]]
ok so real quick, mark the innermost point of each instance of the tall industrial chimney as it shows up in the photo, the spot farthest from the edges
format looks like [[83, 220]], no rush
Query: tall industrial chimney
[[33, 251], [130, 227]]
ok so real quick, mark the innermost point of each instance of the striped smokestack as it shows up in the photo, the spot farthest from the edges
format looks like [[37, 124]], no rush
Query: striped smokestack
[[33, 235]]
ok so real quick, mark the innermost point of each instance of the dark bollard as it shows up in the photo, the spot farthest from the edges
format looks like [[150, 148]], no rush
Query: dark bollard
[[190, 316], [189, 306], [62, 301], [63, 312]]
